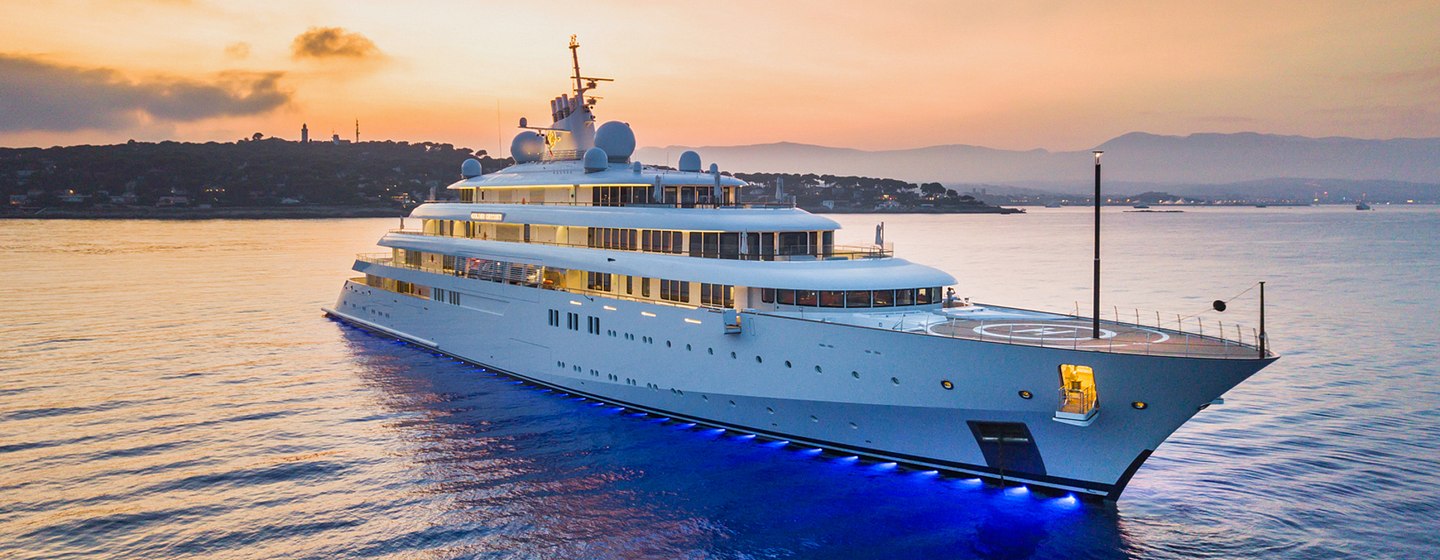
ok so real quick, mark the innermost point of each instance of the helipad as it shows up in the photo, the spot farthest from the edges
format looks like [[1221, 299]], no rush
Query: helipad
[[1013, 326]]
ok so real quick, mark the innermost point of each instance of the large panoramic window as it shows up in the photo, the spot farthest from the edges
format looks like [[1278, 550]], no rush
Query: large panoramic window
[[851, 299]]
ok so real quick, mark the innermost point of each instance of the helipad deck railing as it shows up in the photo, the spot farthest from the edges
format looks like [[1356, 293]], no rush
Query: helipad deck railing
[[1074, 333], [1054, 331]]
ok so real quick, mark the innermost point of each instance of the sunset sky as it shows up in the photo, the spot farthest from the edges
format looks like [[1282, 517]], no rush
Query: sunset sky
[[874, 75]]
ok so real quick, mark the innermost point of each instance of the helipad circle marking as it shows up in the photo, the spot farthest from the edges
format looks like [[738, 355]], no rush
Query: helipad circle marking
[[1039, 331]]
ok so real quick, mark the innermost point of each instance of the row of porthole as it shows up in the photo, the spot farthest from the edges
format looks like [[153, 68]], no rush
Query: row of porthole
[[788, 364], [368, 310]]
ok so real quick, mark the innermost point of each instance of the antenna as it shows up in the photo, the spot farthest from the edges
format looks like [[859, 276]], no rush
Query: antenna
[[575, 58], [357, 131], [582, 83]]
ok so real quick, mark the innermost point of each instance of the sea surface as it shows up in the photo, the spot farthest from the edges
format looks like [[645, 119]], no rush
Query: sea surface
[[172, 390]]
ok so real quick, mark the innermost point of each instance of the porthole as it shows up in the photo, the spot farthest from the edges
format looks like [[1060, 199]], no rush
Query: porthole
[[687, 347], [894, 380], [759, 360], [813, 418], [1026, 394], [769, 410], [732, 355], [705, 398], [787, 363], [711, 351], [947, 384], [1139, 405], [855, 374], [854, 426], [732, 404], [667, 344], [817, 369]]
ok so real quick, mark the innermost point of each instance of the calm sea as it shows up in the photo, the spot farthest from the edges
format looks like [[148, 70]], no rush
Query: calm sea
[[171, 389]]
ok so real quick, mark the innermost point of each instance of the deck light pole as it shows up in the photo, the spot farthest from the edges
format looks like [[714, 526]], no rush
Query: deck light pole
[[1095, 314]]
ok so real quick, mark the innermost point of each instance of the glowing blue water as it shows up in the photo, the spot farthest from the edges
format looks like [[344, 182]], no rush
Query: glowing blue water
[[170, 389]]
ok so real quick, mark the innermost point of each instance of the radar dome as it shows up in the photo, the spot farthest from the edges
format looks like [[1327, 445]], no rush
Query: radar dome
[[616, 139], [596, 160], [690, 161], [471, 168], [528, 146]]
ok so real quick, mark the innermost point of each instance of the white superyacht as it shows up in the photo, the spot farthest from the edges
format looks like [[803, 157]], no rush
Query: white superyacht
[[654, 289]]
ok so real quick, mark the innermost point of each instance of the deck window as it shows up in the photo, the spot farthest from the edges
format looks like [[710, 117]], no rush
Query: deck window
[[883, 298], [675, 290], [792, 243], [767, 295], [717, 295], [857, 298], [729, 245], [832, 298], [712, 245], [785, 297], [598, 281], [807, 297], [905, 297]]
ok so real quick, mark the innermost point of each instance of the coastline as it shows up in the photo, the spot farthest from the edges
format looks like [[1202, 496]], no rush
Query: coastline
[[225, 213], [961, 210], [322, 212]]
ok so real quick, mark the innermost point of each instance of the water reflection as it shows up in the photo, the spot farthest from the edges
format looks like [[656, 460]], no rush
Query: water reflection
[[529, 470]]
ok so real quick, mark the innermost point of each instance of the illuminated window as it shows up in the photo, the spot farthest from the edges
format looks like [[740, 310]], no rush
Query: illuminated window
[[1078, 394]]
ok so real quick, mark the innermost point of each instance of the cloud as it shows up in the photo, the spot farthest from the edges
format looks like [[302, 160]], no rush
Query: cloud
[[44, 96], [238, 51], [333, 42]]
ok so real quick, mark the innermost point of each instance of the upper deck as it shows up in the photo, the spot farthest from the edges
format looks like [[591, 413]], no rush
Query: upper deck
[[723, 218]]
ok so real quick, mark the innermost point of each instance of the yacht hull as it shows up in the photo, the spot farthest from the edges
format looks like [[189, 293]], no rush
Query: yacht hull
[[847, 388]]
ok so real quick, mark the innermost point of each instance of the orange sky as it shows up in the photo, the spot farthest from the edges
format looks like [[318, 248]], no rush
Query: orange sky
[[876, 75]]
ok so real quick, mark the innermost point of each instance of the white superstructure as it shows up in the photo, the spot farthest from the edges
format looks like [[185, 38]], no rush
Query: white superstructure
[[580, 269]]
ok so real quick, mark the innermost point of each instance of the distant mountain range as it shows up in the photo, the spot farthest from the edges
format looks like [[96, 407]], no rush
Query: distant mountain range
[[1139, 158]]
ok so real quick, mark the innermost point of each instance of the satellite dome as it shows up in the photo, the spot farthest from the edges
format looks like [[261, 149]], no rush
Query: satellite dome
[[596, 160], [471, 168], [616, 139], [690, 161], [528, 146]]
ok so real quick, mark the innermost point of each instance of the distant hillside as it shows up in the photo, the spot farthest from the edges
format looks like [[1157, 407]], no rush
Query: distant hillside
[[248, 173], [1136, 158]]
